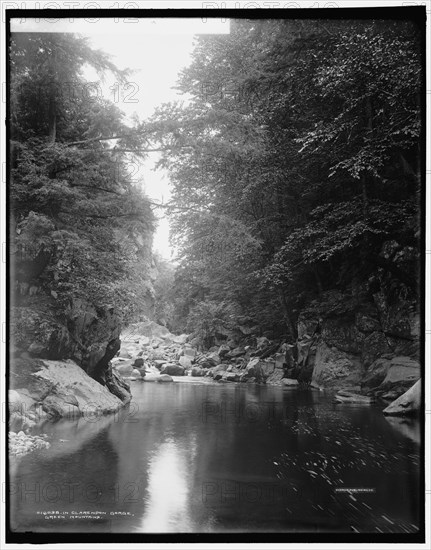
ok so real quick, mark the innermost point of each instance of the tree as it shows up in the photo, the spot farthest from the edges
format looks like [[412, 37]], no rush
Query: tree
[[80, 227], [294, 163]]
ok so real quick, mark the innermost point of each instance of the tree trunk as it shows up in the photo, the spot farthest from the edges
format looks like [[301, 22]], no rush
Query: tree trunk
[[52, 106], [52, 120]]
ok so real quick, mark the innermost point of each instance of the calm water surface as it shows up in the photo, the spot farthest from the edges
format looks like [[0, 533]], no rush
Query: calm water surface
[[203, 457]]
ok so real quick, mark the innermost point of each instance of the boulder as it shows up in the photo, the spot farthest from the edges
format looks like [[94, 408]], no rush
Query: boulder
[[266, 368], [190, 352], [63, 389], [153, 377], [185, 362], [237, 352], [402, 369], [157, 355], [289, 382], [173, 370], [160, 362], [125, 369], [408, 404], [196, 371], [275, 378], [181, 339], [376, 373], [36, 349], [213, 358], [231, 377], [62, 405], [136, 373], [262, 341], [223, 350], [348, 397], [165, 378], [251, 367], [139, 362], [247, 330], [279, 359]]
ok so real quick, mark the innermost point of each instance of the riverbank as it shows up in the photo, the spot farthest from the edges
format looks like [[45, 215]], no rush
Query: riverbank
[[150, 352], [49, 390], [43, 390]]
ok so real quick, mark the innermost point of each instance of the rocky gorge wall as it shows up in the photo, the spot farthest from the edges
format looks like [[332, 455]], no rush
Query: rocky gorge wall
[[47, 325], [371, 345]]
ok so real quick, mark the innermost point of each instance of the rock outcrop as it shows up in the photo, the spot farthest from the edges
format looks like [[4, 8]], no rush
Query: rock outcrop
[[58, 389], [87, 335], [361, 342], [408, 404]]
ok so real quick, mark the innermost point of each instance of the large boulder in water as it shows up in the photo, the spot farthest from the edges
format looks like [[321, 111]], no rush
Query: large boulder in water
[[231, 377], [63, 389], [165, 378], [408, 404], [173, 370]]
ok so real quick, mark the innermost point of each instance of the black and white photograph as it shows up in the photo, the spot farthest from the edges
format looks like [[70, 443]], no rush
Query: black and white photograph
[[214, 277]]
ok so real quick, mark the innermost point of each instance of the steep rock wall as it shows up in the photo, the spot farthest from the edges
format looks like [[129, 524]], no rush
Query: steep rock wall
[[348, 342]]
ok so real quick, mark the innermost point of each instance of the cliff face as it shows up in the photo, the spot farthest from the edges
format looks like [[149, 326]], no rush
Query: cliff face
[[367, 342], [44, 325]]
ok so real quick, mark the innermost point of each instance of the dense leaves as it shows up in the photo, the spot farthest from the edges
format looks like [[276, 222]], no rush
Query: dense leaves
[[295, 161], [80, 227]]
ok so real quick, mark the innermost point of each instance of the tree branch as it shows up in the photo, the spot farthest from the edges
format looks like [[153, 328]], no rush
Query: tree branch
[[95, 188]]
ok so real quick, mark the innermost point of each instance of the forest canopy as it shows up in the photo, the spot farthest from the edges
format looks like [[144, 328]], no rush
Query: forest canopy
[[293, 166]]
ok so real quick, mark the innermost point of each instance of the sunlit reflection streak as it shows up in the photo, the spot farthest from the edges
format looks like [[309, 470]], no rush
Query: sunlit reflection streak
[[167, 501]]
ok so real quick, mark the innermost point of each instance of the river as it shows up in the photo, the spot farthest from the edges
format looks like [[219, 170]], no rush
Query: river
[[196, 456]]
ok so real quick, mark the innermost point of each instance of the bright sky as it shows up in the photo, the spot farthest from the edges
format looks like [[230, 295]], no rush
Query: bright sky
[[156, 61], [156, 50]]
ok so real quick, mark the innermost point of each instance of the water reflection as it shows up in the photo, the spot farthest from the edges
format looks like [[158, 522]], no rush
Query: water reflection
[[204, 458], [408, 427], [167, 501]]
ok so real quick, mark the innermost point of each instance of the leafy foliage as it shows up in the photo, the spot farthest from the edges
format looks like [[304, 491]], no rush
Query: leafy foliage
[[80, 227], [296, 160]]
